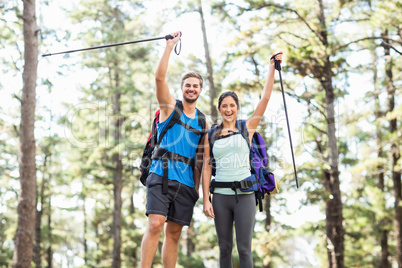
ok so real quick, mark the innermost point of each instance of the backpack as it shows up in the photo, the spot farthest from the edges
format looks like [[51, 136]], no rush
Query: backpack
[[152, 151], [261, 181]]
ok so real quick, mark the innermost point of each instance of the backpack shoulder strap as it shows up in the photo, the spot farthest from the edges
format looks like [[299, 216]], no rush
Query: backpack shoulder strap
[[178, 110], [241, 126], [202, 121], [211, 135], [211, 140]]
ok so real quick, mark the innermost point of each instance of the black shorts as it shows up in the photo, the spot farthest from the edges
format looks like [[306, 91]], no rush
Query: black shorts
[[177, 205]]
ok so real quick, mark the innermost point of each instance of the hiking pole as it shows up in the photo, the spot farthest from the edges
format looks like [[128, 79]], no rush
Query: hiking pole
[[167, 37], [278, 67]]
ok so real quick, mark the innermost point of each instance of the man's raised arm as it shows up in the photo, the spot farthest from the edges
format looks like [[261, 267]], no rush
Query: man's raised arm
[[165, 99]]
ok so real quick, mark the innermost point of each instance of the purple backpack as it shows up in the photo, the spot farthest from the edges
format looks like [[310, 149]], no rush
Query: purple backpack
[[259, 160]]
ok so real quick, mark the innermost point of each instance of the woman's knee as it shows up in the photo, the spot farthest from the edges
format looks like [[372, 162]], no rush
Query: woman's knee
[[244, 251], [225, 249]]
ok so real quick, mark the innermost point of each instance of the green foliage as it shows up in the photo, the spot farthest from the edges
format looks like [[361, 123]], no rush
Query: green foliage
[[192, 261], [76, 150]]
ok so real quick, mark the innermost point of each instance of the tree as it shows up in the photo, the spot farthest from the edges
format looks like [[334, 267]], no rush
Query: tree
[[395, 152], [113, 94], [212, 89], [385, 20], [26, 206]]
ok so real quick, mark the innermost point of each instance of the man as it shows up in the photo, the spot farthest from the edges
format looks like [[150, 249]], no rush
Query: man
[[172, 207]]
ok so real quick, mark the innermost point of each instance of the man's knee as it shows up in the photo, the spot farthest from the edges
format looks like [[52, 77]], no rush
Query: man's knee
[[155, 224], [173, 231]]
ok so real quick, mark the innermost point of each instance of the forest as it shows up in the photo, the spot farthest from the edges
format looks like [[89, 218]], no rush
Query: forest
[[73, 126]]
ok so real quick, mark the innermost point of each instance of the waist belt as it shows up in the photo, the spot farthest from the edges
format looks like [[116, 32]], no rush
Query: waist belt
[[165, 155], [234, 185]]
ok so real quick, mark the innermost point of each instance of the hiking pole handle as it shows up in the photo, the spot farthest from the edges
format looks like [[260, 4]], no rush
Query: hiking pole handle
[[277, 62], [167, 37]]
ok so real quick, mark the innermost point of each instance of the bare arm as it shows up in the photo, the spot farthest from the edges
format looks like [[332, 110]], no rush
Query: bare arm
[[255, 119], [206, 180], [199, 158], [165, 99]]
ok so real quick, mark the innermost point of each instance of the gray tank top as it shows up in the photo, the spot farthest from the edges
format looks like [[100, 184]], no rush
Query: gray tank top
[[232, 161]]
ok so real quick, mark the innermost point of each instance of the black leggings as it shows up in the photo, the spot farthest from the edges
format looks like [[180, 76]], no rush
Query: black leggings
[[242, 214]]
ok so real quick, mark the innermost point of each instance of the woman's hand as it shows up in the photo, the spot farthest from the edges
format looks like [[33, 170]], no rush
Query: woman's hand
[[277, 56], [208, 210]]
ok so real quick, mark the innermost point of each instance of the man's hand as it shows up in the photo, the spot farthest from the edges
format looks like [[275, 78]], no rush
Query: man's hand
[[176, 38]]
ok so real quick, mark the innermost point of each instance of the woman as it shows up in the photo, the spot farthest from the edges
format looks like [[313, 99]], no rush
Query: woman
[[231, 156]]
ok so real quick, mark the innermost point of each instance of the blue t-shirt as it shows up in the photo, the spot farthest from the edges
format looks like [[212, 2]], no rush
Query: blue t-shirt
[[181, 141]]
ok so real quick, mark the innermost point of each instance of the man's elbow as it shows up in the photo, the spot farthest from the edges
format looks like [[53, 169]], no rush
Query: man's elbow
[[159, 79]]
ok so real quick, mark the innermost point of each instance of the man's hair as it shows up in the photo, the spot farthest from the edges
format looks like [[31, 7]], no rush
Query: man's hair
[[192, 74]]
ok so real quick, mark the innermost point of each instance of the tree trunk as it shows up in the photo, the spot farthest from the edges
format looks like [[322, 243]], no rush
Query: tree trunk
[[132, 212], [118, 176], [118, 184], [381, 185], [395, 155], [38, 219], [267, 213], [39, 213], [84, 211], [190, 239], [334, 220], [268, 222], [26, 204], [97, 235], [133, 254], [383, 225], [212, 90], [37, 246], [49, 236], [333, 206]]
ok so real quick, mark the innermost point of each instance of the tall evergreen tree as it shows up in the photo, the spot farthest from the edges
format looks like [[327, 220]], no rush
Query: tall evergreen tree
[[385, 20], [119, 92], [26, 205]]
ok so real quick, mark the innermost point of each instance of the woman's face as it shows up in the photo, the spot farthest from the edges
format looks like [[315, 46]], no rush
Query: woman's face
[[228, 109]]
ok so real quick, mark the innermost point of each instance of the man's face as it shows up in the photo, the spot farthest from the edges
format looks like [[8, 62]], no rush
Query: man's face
[[191, 89]]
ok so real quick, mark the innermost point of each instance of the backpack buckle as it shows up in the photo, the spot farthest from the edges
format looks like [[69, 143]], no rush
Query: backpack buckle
[[244, 184]]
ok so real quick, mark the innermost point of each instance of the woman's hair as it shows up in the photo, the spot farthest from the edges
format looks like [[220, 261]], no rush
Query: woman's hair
[[221, 98], [192, 74]]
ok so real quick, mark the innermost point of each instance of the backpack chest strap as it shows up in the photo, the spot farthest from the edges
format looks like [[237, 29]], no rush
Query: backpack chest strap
[[165, 155], [190, 128], [161, 153]]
